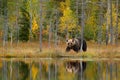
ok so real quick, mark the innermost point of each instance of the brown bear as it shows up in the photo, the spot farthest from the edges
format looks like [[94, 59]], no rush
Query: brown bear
[[75, 66], [75, 44]]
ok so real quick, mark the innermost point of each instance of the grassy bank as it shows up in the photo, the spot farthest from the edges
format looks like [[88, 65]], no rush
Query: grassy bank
[[31, 49]]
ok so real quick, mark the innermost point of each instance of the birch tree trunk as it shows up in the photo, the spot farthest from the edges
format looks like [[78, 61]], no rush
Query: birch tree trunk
[[30, 20], [50, 30], [111, 24], [56, 68], [77, 12], [50, 34], [111, 72], [40, 71], [100, 25], [5, 27], [16, 23], [107, 25], [82, 23], [40, 39], [49, 71], [0, 8], [116, 71], [56, 29], [4, 73], [107, 67], [116, 28]]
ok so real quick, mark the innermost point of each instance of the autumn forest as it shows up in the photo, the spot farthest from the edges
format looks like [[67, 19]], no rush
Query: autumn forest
[[48, 23], [33, 36]]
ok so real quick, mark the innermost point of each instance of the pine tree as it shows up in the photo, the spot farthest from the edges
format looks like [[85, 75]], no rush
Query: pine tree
[[24, 22]]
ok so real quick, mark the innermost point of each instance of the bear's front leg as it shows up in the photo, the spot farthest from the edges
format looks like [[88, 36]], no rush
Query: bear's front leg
[[76, 49], [67, 49]]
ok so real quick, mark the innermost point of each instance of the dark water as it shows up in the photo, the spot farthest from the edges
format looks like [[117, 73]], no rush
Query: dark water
[[59, 69]]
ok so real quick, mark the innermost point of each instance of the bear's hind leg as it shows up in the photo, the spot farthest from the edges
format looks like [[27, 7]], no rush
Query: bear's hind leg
[[84, 47]]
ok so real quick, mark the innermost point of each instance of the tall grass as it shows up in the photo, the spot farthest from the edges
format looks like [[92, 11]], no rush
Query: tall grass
[[31, 49]]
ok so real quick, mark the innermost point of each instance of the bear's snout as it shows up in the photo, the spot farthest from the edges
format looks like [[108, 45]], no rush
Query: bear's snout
[[69, 44]]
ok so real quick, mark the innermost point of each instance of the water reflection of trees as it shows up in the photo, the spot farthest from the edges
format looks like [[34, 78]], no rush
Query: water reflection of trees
[[23, 70], [59, 70]]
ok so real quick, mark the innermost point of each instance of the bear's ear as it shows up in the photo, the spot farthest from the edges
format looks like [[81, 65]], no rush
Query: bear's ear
[[66, 40], [73, 39]]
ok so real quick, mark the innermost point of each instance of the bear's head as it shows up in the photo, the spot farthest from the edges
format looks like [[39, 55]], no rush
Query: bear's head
[[70, 42], [75, 66], [72, 67]]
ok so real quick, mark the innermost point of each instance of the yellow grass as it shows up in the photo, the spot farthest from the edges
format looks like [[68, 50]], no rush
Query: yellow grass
[[31, 49]]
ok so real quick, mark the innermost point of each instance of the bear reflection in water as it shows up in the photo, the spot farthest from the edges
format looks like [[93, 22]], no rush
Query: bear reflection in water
[[75, 66]]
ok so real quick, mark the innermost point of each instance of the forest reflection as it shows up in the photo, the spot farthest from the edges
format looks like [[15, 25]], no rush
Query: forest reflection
[[58, 69]]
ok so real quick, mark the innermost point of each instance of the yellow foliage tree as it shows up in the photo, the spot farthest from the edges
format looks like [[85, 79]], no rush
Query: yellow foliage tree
[[34, 72], [34, 25], [68, 20], [91, 27]]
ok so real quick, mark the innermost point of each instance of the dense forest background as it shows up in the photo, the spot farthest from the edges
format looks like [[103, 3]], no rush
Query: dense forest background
[[33, 23], [57, 20]]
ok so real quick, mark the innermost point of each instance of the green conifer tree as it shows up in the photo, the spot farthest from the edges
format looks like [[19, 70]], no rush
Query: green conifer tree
[[24, 21]]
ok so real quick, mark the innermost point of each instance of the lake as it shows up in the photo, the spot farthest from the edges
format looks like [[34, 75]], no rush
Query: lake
[[59, 69]]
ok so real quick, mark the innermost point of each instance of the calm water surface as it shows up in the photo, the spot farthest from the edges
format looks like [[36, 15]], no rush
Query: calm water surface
[[59, 69]]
